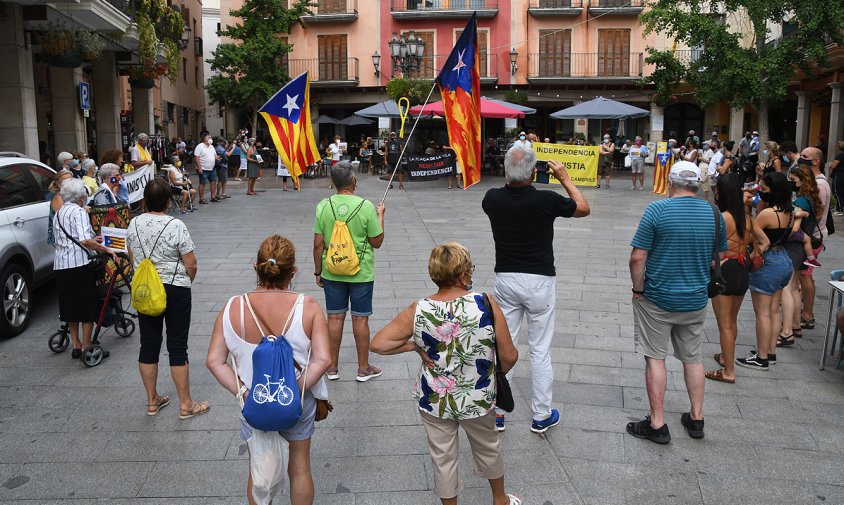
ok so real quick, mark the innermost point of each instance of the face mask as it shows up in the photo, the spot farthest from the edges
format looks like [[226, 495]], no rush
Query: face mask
[[521, 137], [785, 158], [765, 152], [178, 164], [469, 285], [794, 187], [765, 197], [74, 163], [804, 161]]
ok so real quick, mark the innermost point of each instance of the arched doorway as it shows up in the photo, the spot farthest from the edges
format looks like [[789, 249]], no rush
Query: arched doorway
[[680, 118]]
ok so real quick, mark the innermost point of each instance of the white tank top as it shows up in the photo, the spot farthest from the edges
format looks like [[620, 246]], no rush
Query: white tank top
[[295, 335]]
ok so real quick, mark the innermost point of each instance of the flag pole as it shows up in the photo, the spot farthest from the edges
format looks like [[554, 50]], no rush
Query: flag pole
[[404, 148]]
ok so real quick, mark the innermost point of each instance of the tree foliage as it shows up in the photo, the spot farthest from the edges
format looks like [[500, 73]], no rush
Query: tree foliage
[[735, 65], [248, 70]]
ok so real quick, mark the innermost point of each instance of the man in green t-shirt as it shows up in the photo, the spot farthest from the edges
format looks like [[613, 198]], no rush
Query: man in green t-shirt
[[365, 223]]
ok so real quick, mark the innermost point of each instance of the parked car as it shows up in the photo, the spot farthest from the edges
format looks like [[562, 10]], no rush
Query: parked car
[[26, 260]]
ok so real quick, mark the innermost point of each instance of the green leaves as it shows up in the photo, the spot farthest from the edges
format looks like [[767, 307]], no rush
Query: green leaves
[[249, 69]]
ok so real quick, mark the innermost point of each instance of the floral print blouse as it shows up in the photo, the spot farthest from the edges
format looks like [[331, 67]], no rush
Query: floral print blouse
[[459, 337]]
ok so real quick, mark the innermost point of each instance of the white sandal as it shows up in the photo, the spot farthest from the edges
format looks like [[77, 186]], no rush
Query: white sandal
[[514, 500]]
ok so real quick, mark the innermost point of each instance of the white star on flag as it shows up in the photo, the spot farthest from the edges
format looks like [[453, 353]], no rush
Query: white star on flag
[[460, 63], [291, 104]]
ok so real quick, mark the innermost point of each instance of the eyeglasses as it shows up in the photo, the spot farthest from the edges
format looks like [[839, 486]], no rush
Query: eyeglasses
[[473, 269]]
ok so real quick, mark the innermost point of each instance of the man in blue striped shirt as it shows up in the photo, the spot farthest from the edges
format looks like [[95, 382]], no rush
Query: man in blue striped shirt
[[669, 267]]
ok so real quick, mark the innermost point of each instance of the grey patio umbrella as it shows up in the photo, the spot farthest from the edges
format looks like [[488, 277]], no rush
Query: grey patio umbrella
[[387, 108], [520, 108], [323, 119], [354, 121], [600, 108]]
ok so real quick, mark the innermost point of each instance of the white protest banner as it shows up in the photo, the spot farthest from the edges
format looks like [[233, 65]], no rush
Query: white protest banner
[[137, 180]]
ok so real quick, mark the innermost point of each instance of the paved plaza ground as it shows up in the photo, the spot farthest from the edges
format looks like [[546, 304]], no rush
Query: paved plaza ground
[[69, 434]]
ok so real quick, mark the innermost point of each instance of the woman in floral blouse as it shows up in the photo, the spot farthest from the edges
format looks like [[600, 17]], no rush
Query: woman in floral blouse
[[452, 332]]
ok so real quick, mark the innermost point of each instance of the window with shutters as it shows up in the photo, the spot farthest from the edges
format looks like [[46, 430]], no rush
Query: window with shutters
[[483, 51], [333, 59], [428, 67], [554, 53], [331, 6], [613, 53]]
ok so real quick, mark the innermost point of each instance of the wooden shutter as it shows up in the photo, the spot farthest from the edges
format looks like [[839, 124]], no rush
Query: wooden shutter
[[554, 53], [331, 6], [428, 68], [483, 51], [333, 60], [613, 53]]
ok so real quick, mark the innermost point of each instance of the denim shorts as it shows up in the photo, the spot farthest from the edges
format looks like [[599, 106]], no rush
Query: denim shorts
[[207, 175], [338, 294], [774, 274], [302, 430]]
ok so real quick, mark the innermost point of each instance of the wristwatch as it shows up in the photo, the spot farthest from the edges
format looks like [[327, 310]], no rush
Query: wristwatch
[[317, 274], [635, 292], [243, 389]]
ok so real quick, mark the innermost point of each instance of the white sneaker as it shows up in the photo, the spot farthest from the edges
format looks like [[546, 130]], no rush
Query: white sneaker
[[632, 187], [641, 188], [836, 213]]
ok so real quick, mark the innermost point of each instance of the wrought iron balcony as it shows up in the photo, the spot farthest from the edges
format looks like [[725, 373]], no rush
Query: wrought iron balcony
[[333, 11], [616, 7], [552, 8], [325, 72], [597, 67], [433, 9], [431, 64]]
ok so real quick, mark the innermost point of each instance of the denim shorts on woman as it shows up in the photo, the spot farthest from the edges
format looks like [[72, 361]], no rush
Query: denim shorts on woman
[[774, 274], [302, 430], [339, 294]]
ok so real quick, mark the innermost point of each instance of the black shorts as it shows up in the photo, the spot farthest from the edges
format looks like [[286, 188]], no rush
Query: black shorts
[[177, 190], [79, 300], [737, 277]]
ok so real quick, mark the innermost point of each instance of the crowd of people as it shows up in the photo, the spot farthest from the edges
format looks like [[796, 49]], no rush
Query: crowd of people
[[764, 234]]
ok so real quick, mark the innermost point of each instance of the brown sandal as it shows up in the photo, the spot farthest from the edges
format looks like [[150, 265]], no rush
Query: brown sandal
[[718, 375], [717, 357], [160, 403]]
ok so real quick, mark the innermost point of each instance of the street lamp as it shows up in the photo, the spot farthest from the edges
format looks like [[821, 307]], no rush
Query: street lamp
[[185, 40], [513, 56], [406, 53], [376, 62]]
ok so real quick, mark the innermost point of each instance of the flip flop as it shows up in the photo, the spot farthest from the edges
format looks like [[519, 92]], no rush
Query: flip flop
[[718, 375], [195, 410], [807, 324], [162, 402], [784, 341]]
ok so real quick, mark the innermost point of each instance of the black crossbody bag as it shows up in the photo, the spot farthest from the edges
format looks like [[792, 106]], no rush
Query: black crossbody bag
[[503, 393], [717, 284]]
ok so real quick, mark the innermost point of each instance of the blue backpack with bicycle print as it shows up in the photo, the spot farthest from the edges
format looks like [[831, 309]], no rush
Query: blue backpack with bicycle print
[[274, 402]]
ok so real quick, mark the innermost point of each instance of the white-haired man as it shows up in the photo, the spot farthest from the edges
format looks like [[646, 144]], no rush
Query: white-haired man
[[522, 219], [669, 268], [141, 156]]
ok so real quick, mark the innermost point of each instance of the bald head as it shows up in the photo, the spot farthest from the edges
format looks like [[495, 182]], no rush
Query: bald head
[[814, 157]]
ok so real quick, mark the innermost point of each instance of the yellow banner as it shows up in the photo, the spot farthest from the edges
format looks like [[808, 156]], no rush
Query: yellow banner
[[581, 162]]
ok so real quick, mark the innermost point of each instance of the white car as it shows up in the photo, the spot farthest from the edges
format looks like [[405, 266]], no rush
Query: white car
[[26, 259]]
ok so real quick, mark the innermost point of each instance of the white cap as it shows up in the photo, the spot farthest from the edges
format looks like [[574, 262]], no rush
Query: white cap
[[683, 167]]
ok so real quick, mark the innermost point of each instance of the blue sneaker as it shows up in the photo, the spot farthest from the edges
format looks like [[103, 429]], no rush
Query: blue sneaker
[[499, 423], [542, 426]]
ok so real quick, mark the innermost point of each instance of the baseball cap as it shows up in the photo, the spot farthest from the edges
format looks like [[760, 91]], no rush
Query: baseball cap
[[684, 166], [755, 132]]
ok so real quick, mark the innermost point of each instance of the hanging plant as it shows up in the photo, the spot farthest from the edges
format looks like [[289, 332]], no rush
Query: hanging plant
[[147, 41], [515, 96], [412, 89], [174, 60], [58, 40], [170, 25], [90, 45]]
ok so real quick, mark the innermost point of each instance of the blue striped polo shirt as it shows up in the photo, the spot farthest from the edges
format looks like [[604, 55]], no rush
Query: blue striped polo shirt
[[678, 234]]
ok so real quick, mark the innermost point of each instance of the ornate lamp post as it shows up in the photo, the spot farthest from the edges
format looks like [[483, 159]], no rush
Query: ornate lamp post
[[406, 53]]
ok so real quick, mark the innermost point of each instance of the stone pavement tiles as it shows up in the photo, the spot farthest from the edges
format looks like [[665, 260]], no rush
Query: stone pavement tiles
[[74, 435]]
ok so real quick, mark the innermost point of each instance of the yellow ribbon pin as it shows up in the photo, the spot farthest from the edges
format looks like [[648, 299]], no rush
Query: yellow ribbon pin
[[403, 113]]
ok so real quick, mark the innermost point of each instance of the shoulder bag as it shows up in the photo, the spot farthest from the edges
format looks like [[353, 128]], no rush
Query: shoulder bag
[[503, 393], [717, 284], [96, 261]]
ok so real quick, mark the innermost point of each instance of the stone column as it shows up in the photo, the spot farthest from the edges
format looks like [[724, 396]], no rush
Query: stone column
[[836, 121], [736, 124], [804, 107], [68, 123], [19, 127], [657, 130], [107, 102], [143, 109]]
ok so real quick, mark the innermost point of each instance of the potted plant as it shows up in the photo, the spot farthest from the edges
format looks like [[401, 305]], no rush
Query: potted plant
[[412, 89], [143, 76], [89, 45], [60, 45], [516, 96], [159, 27]]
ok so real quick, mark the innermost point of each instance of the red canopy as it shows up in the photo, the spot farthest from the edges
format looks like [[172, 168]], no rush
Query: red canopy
[[488, 109]]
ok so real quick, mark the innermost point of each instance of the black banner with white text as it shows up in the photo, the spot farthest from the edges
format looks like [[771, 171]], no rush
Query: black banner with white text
[[428, 168]]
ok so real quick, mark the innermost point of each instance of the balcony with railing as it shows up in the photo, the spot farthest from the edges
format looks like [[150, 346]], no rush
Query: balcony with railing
[[616, 7], [333, 11], [325, 72], [436, 9], [581, 67], [430, 65], [99, 15], [554, 8], [688, 56]]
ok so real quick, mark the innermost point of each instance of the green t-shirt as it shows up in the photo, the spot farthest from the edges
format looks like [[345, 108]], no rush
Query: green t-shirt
[[363, 226]]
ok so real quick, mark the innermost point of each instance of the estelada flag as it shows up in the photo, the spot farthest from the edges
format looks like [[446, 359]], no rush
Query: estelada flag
[[460, 87], [663, 161], [288, 117]]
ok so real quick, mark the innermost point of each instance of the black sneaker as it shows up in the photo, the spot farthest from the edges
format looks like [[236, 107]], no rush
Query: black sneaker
[[753, 362], [693, 428], [772, 358], [643, 429]]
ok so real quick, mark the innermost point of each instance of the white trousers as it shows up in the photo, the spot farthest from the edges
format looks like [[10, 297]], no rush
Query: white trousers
[[532, 296]]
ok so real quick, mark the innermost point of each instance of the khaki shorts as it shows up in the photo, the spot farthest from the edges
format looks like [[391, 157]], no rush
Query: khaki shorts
[[704, 180], [654, 327]]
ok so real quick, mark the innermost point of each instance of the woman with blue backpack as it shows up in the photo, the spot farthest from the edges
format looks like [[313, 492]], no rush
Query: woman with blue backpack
[[278, 341]]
